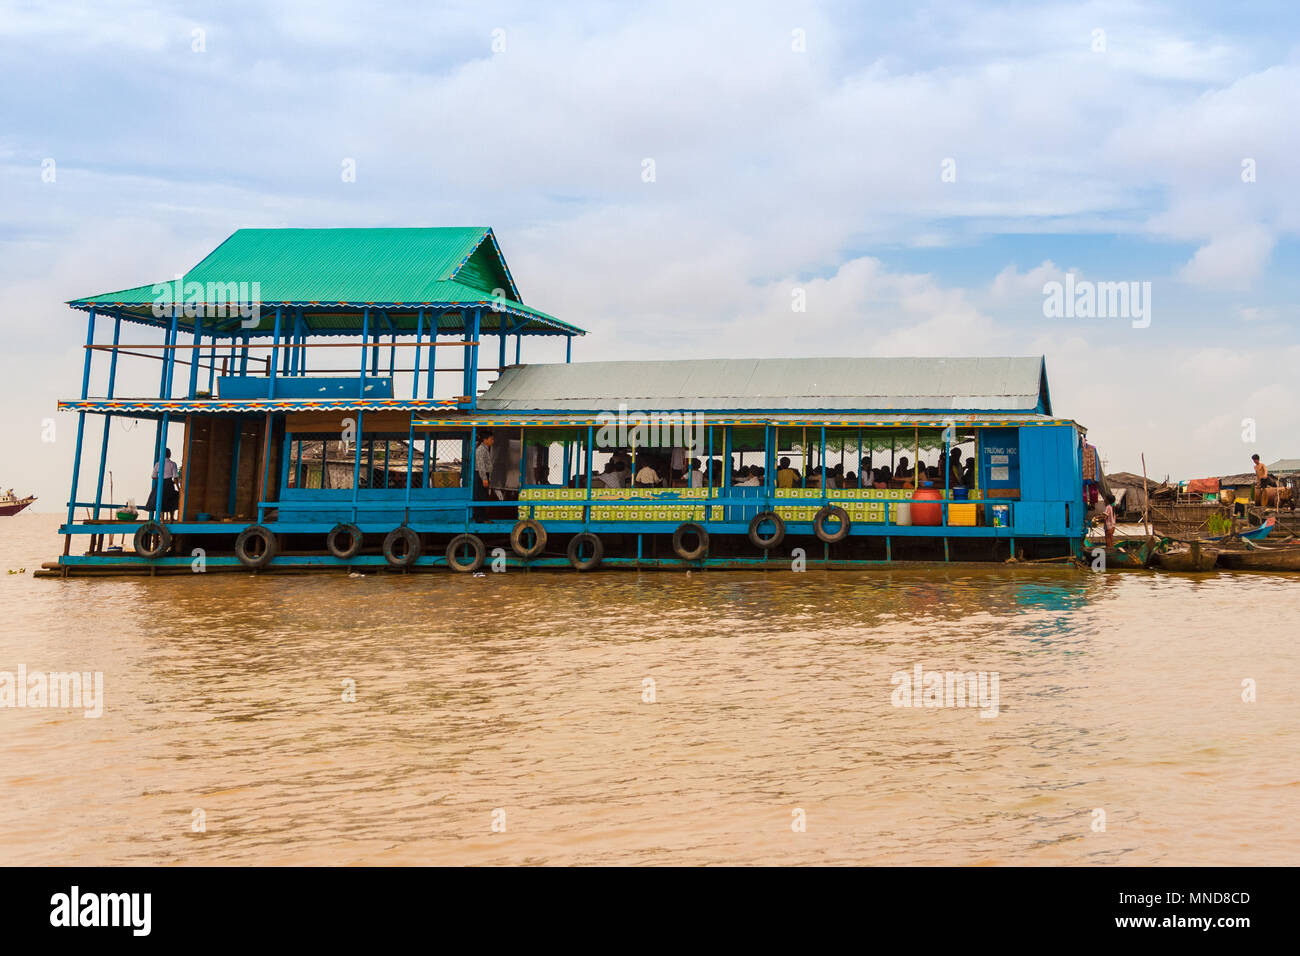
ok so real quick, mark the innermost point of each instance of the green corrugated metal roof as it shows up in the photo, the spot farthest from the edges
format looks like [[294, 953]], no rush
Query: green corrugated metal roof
[[327, 268]]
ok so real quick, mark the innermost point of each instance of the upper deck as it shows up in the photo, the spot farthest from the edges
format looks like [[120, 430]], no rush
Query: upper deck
[[264, 322]]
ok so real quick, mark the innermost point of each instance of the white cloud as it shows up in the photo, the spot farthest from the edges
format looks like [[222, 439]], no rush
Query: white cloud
[[1232, 261], [1010, 284]]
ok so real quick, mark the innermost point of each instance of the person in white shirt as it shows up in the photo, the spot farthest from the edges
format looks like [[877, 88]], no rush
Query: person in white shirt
[[695, 478], [170, 495]]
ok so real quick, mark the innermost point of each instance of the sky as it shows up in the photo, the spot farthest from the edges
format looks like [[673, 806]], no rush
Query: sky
[[680, 178]]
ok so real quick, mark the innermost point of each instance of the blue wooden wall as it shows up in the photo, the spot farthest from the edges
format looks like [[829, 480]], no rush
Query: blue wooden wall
[[1051, 481]]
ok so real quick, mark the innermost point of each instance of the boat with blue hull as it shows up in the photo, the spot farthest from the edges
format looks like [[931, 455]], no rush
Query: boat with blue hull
[[382, 415]]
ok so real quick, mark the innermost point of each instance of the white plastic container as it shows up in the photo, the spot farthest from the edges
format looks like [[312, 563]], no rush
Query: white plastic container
[[904, 519]]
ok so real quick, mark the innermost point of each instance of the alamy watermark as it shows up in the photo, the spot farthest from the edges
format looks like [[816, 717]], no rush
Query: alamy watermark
[[931, 688], [624, 429], [66, 690], [1083, 299], [211, 300]]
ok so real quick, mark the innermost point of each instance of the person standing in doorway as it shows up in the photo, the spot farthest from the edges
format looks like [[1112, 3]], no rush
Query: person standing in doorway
[[483, 473], [164, 496]]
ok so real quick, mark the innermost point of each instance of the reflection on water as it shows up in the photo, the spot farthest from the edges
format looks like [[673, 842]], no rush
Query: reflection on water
[[523, 692]]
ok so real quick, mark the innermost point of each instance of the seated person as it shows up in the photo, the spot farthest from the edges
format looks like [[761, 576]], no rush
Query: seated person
[[745, 478], [648, 477], [954, 469], [611, 477], [786, 477], [850, 481], [695, 477], [904, 469]]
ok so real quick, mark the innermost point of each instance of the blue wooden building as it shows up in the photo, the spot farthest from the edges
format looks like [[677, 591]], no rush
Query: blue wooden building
[[331, 393]]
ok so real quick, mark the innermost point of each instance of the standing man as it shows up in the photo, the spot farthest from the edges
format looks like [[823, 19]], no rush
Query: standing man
[[483, 472], [1262, 480]]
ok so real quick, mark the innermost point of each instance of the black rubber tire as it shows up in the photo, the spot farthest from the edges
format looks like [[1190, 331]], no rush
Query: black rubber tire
[[353, 534], [453, 557], [412, 553], [701, 549], [149, 531], [517, 540], [246, 557], [819, 524], [757, 540], [597, 551]]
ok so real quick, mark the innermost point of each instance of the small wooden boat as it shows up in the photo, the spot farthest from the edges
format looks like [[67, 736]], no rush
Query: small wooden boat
[[1189, 556], [1124, 556], [1261, 558]]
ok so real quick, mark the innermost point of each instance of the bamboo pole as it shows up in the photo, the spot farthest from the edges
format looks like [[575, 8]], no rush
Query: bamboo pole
[[1146, 498]]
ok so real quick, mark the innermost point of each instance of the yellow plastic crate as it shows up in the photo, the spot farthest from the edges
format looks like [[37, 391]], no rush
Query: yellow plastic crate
[[962, 515]]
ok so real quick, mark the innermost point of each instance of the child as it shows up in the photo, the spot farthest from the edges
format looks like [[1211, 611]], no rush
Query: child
[[1108, 521]]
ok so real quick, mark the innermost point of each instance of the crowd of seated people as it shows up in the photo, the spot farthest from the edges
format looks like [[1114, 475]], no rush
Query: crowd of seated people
[[647, 471]]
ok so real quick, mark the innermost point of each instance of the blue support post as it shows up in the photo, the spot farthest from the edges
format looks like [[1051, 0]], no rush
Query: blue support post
[[433, 355], [518, 340], [365, 335], [194, 354], [568, 348], [822, 455], [472, 459], [275, 355], [356, 462], [81, 416], [591, 463], [410, 453], [419, 340], [160, 454], [708, 477], [108, 417], [212, 365], [471, 360]]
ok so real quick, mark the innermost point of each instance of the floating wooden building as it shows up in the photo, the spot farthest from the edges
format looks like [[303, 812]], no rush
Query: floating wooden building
[[329, 392]]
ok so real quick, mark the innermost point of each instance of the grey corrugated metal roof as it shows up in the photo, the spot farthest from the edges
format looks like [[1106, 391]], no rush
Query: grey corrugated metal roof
[[823, 384]]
